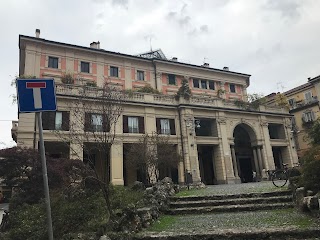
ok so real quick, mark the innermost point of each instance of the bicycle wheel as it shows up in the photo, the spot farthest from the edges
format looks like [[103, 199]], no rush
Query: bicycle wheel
[[279, 178]]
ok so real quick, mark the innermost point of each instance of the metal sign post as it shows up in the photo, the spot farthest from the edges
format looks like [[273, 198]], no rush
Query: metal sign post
[[38, 95]]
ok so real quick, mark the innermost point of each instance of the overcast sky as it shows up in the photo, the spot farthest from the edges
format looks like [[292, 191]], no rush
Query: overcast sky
[[276, 41]]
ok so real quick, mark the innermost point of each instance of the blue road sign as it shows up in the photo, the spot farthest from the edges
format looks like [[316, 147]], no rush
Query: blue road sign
[[36, 95]]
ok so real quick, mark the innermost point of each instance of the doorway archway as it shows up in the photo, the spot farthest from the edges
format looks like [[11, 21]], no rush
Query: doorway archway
[[245, 160]]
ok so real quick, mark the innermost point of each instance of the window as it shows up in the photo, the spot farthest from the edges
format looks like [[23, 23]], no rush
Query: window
[[308, 116], [53, 62], [58, 121], [232, 88], [96, 122], [140, 75], [203, 84], [165, 126], [171, 79], [133, 124], [55, 120], [85, 67], [114, 71], [308, 96], [196, 83], [292, 102], [211, 85]]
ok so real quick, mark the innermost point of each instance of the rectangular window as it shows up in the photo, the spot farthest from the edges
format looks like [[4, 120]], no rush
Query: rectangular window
[[165, 126], [308, 96], [96, 122], [196, 83], [204, 84], [232, 88], [140, 75], [172, 79], [292, 102], [53, 62], [85, 67], [58, 121], [211, 85], [114, 71], [55, 120], [308, 116], [133, 125]]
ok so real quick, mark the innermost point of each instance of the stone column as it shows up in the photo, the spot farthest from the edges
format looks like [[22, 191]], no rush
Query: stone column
[[116, 164], [259, 160], [234, 161], [256, 162], [267, 144]]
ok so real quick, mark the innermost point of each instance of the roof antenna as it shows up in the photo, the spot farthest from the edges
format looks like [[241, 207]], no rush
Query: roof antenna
[[150, 41]]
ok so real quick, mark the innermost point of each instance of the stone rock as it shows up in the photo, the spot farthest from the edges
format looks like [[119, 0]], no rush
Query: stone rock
[[104, 237], [311, 202], [167, 180], [138, 186], [299, 195], [309, 193]]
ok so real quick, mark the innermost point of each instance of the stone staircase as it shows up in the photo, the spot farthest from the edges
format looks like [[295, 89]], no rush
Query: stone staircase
[[230, 203]]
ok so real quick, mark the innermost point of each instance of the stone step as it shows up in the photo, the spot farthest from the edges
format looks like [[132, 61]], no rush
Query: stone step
[[235, 234], [231, 196], [228, 208], [236, 201]]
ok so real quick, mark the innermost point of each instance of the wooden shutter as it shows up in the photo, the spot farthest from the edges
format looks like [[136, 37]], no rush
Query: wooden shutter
[[158, 126], [125, 124], [172, 127], [45, 120], [65, 121], [141, 124], [106, 124], [87, 122]]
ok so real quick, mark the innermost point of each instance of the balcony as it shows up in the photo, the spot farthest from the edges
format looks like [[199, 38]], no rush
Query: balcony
[[304, 103], [147, 98]]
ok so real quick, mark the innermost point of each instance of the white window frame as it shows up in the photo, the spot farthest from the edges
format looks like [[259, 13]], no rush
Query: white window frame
[[97, 122], [115, 71], [133, 124], [308, 96], [165, 126], [309, 116], [235, 88], [204, 81]]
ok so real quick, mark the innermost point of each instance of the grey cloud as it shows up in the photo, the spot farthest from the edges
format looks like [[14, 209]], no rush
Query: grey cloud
[[287, 8], [99, 1], [171, 15], [204, 28], [100, 15], [184, 21], [121, 3]]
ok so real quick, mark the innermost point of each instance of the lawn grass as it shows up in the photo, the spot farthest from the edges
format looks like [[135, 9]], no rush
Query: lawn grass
[[163, 223]]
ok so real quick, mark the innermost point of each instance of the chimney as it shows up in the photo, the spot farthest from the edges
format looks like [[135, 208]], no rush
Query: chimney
[[174, 59], [226, 68], [206, 65], [309, 78], [95, 45], [37, 33]]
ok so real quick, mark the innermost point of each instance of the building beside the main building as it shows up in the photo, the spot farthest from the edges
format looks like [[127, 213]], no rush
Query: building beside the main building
[[219, 141], [303, 102]]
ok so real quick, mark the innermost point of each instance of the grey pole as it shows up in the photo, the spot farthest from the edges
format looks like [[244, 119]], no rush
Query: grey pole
[[45, 176]]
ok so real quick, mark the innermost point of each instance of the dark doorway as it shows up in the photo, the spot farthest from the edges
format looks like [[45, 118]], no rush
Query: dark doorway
[[246, 170], [205, 156], [277, 156]]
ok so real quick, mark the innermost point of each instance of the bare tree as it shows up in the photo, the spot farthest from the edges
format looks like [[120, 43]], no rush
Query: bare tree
[[94, 113], [153, 154]]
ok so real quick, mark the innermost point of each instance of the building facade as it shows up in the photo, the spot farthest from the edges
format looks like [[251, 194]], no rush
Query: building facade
[[219, 141], [304, 106]]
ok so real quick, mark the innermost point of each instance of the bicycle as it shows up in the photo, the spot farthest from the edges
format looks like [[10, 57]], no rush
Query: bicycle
[[280, 178]]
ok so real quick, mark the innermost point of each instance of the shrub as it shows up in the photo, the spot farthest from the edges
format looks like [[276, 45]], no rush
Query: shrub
[[311, 169], [148, 89], [122, 197], [67, 78]]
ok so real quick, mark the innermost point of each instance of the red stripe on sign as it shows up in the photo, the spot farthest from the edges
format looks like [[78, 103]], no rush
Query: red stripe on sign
[[36, 85]]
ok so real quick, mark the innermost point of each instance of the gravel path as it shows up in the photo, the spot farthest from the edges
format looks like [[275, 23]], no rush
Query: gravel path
[[255, 187], [287, 218]]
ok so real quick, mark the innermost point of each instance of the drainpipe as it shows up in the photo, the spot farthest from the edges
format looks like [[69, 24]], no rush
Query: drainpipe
[[182, 146], [155, 74]]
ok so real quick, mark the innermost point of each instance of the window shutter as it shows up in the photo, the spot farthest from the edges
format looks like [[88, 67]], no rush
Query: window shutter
[[125, 124], [158, 125], [172, 127], [52, 120], [65, 121], [303, 117], [45, 120], [87, 122], [141, 124], [106, 124], [313, 116]]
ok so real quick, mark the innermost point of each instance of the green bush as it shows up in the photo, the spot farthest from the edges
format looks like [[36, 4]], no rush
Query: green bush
[[85, 214], [148, 89], [311, 169], [122, 197]]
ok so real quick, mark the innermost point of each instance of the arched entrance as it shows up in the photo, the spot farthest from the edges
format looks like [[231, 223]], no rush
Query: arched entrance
[[243, 152]]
